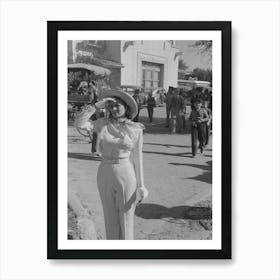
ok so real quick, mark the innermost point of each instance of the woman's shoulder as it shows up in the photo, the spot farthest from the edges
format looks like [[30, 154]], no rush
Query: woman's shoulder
[[137, 126]]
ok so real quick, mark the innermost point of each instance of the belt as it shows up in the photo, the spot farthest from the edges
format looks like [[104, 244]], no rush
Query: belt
[[114, 160]]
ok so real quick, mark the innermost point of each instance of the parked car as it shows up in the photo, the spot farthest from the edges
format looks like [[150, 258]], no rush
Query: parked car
[[193, 84]]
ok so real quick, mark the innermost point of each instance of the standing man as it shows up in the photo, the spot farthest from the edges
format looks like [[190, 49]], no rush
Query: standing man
[[176, 111], [208, 124], [168, 102], [183, 110], [199, 118], [194, 97], [151, 103], [137, 99]]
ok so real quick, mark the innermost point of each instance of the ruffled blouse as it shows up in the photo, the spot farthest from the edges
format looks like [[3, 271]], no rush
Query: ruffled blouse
[[116, 139]]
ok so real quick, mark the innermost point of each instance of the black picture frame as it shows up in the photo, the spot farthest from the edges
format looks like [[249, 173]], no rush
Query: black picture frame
[[52, 194]]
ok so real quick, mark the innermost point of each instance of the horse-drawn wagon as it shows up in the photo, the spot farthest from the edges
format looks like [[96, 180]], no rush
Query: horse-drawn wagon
[[84, 80]]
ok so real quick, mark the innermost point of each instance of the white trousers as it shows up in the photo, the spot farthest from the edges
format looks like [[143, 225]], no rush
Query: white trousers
[[117, 187]]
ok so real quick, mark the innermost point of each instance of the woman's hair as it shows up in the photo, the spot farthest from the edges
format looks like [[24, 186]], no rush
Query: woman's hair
[[127, 109]]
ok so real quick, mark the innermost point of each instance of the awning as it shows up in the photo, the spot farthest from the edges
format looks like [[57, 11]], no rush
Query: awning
[[108, 63], [97, 70]]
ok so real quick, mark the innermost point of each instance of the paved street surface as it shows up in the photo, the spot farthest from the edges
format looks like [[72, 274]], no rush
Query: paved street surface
[[179, 205]]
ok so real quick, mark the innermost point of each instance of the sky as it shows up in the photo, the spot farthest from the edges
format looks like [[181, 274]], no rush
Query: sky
[[191, 56]]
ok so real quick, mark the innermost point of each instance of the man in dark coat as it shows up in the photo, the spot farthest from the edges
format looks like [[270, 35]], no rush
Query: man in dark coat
[[137, 99]]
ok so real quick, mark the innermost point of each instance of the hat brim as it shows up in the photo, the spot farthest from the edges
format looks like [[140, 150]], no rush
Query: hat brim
[[125, 97]]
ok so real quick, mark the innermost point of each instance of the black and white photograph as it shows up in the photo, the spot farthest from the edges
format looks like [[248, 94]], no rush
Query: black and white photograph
[[140, 139], [141, 120]]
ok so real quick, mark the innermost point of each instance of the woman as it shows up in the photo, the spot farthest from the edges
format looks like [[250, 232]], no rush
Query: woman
[[120, 175]]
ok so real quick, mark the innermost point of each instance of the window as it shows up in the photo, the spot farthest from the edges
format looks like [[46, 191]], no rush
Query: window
[[151, 75]]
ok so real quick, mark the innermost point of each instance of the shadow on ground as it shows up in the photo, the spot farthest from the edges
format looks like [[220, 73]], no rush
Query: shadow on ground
[[155, 211], [169, 154], [168, 145], [158, 126], [83, 156], [205, 177]]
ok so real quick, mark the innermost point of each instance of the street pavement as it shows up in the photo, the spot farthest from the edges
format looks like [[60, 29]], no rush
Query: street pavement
[[179, 205]]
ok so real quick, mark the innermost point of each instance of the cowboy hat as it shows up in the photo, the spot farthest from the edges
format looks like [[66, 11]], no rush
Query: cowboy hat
[[125, 97]]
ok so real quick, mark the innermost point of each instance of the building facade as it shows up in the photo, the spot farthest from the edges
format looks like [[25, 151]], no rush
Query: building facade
[[150, 64]]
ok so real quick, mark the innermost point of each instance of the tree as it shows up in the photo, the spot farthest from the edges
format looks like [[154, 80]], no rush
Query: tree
[[203, 47], [202, 74], [182, 65]]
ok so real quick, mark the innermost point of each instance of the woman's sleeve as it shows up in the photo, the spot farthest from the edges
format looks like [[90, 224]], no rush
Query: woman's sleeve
[[137, 159], [83, 121]]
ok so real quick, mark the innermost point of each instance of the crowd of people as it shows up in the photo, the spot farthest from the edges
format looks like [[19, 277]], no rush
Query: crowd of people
[[194, 106], [182, 108]]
